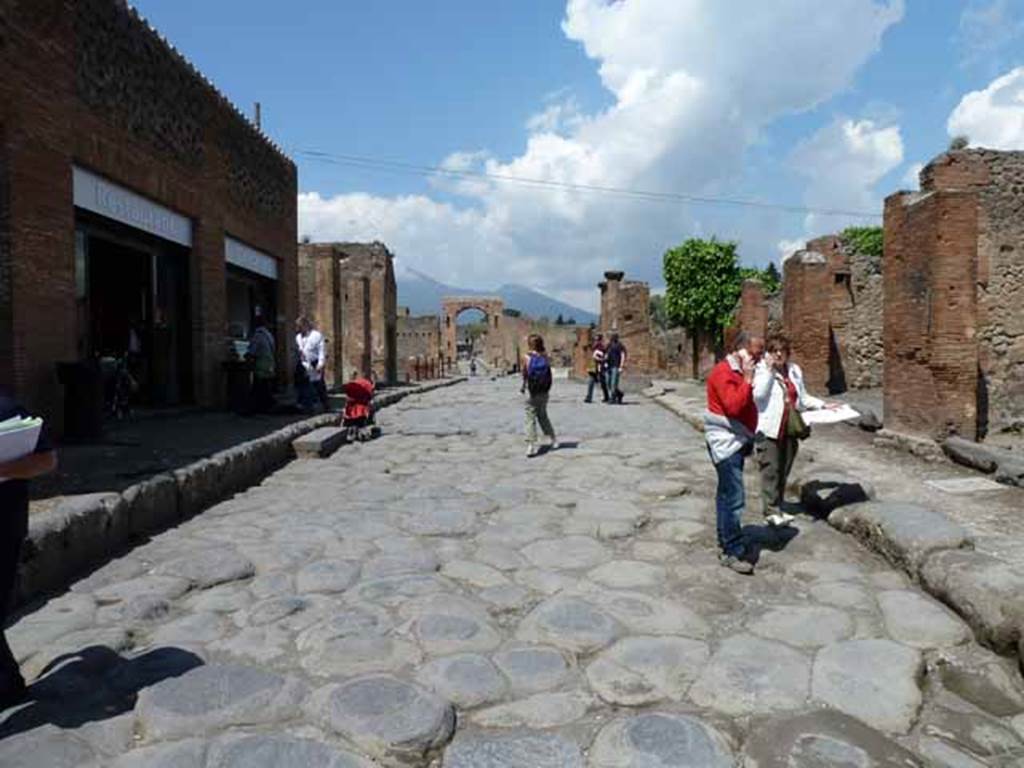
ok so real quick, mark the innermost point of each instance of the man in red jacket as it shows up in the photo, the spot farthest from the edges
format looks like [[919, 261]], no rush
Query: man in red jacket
[[729, 426]]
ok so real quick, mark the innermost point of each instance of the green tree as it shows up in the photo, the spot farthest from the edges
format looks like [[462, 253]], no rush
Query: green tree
[[559, 320], [702, 285], [772, 277], [659, 315]]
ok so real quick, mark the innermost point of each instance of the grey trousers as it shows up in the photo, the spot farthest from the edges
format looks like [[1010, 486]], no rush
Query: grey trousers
[[774, 461], [537, 410]]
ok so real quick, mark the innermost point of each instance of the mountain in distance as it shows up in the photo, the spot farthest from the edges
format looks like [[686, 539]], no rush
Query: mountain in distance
[[422, 294]]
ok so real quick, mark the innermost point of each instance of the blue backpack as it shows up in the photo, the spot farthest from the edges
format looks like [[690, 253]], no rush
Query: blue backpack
[[538, 375]]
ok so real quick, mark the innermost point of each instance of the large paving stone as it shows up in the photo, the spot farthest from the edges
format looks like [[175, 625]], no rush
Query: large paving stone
[[542, 710], [210, 698], [568, 553], [905, 534], [533, 668], [54, 620], [278, 751], [190, 629], [447, 517], [805, 626], [327, 576], [643, 670], [441, 631], [606, 519], [748, 675], [475, 574], [111, 639], [512, 750], [47, 746], [394, 721], [993, 741], [647, 615], [984, 590], [917, 620], [628, 574], [822, 738], [467, 680], [660, 740], [979, 676], [189, 753], [875, 681], [208, 568], [359, 654], [843, 594], [570, 623], [350, 620]]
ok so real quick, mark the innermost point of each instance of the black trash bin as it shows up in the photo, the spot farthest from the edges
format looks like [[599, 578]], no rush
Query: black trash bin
[[83, 399]]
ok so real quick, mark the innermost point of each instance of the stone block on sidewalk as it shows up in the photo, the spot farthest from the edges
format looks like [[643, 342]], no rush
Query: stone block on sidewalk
[[320, 443], [971, 454], [906, 534]]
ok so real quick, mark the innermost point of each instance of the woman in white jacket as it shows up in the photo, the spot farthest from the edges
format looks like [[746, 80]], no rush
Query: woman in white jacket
[[779, 391]]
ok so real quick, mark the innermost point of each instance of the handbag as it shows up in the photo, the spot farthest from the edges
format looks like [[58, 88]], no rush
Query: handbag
[[796, 426]]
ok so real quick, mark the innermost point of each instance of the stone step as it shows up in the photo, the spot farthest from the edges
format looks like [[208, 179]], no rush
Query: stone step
[[320, 443]]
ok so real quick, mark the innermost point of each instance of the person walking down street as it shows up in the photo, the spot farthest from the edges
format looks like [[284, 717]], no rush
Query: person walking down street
[[781, 396], [596, 371], [264, 367], [312, 352], [14, 477], [537, 387], [615, 361], [729, 426]]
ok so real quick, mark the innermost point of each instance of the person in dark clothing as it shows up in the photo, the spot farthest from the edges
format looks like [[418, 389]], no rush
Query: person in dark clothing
[[615, 362], [14, 477]]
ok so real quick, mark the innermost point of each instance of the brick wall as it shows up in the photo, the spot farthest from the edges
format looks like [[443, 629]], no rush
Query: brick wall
[[807, 286], [625, 309], [419, 346], [751, 313], [117, 100]]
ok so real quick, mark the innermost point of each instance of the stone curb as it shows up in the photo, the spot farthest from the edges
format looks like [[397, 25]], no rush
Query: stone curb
[[1007, 466], [83, 531], [938, 554]]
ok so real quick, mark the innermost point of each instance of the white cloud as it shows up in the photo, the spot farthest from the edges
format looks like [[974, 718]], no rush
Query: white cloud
[[787, 248], [694, 83], [912, 178], [994, 116], [988, 27]]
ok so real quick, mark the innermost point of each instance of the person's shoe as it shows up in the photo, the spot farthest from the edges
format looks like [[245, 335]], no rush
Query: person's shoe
[[13, 692], [531, 451], [779, 519], [736, 564], [585, 400], [553, 445]]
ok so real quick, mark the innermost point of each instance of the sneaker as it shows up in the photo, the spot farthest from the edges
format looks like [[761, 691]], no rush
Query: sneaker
[[736, 564], [779, 519], [554, 445], [531, 451]]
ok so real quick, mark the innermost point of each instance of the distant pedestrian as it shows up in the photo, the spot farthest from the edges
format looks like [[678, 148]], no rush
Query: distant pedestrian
[[615, 361], [264, 367], [729, 426], [14, 477], [596, 371], [781, 396], [312, 352], [537, 387]]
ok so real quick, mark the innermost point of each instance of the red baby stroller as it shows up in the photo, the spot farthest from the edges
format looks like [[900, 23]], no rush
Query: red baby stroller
[[357, 418]]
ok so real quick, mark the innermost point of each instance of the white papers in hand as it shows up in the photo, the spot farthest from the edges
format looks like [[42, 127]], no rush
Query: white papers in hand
[[18, 437], [830, 415]]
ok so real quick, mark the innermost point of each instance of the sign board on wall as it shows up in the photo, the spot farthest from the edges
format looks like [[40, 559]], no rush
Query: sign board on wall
[[96, 194], [247, 257]]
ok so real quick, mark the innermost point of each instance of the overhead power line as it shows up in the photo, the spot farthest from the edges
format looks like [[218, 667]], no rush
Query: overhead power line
[[398, 166]]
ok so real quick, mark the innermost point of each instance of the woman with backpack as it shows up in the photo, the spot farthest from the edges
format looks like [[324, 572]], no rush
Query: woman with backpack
[[537, 386]]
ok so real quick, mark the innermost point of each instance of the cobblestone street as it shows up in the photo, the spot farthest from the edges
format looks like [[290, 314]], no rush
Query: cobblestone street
[[434, 598]]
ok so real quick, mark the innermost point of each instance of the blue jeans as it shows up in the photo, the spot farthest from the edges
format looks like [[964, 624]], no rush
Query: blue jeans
[[730, 500], [595, 379], [613, 383]]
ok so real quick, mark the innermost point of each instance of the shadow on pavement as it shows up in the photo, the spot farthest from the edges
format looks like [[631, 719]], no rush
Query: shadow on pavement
[[762, 537], [93, 684]]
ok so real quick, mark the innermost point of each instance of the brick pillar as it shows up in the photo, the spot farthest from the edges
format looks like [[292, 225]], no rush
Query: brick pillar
[[806, 291]]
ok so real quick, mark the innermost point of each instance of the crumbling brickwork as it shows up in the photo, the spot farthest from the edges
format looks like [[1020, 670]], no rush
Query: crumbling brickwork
[[625, 310], [954, 287], [90, 84], [756, 312], [349, 291], [419, 346], [807, 285]]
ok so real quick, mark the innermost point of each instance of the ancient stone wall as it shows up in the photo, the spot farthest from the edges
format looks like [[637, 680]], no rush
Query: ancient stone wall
[[864, 358], [419, 346], [806, 286], [751, 313], [349, 291], [90, 83], [625, 309], [674, 354]]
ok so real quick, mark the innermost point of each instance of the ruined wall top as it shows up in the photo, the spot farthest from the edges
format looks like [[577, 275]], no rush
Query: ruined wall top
[[968, 169]]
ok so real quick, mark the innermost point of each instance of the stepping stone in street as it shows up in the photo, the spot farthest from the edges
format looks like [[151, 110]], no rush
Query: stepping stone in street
[[210, 698], [643, 670], [467, 680], [872, 680], [393, 720], [512, 750], [805, 626], [533, 668], [748, 675], [570, 623], [821, 738], [660, 740], [919, 621]]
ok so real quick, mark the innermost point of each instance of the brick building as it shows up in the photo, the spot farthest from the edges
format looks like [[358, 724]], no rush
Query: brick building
[[419, 346], [349, 291], [626, 310], [832, 313], [954, 292], [757, 312], [138, 209]]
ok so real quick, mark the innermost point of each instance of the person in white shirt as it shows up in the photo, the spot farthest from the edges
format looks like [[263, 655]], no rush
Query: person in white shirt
[[309, 374], [780, 396]]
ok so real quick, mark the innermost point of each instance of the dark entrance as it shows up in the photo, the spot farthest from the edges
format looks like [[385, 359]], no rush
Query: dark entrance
[[132, 292]]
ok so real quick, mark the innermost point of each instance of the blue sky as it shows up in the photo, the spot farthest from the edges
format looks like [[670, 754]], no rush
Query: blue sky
[[825, 105]]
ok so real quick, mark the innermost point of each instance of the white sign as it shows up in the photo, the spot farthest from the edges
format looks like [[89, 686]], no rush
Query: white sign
[[830, 415], [247, 257], [96, 194]]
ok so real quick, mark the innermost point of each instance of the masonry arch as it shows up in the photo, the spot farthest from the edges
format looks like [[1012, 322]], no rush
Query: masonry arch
[[493, 308]]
